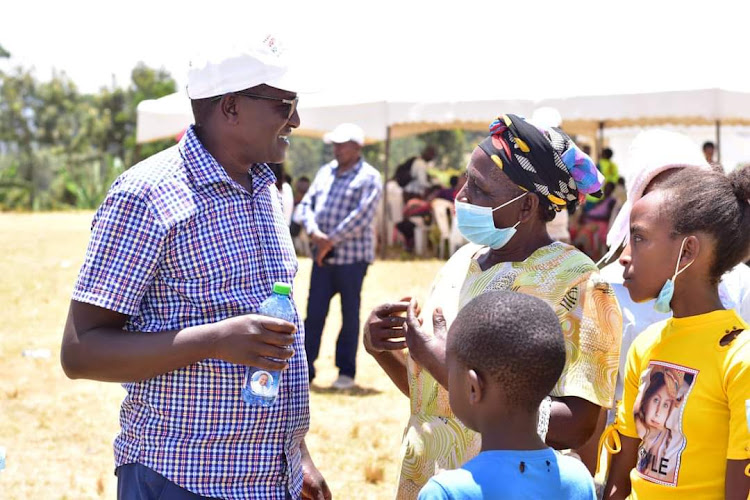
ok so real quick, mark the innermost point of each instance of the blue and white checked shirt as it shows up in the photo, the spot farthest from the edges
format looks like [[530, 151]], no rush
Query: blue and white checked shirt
[[343, 207], [178, 243]]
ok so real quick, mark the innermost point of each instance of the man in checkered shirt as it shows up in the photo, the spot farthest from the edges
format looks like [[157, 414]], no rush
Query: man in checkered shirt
[[185, 247], [338, 212]]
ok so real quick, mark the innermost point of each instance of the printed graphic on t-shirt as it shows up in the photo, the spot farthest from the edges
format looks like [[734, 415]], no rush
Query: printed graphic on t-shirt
[[658, 410]]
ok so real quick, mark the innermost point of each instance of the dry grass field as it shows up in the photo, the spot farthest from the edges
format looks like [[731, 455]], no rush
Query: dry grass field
[[58, 433]]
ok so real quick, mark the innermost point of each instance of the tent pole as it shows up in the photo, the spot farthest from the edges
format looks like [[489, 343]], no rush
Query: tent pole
[[384, 229], [718, 141], [600, 141]]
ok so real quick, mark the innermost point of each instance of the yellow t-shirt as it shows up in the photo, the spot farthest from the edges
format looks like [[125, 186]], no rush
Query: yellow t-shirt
[[687, 398]]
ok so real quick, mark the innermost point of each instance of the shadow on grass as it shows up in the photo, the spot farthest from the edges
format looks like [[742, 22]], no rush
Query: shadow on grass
[[354, 391]]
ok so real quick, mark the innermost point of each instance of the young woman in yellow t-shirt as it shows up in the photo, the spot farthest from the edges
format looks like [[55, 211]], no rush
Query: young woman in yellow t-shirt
[[683, 426]]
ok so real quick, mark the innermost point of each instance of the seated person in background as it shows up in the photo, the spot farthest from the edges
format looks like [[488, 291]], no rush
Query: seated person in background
[[602, 210], [419, 179], [607, 167], [450, 193], [708, 152], [496, 382], [417, 207], [593, 224]]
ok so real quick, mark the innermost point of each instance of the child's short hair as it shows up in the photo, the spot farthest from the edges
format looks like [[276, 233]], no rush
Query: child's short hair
[[705, 201], [513, 339]]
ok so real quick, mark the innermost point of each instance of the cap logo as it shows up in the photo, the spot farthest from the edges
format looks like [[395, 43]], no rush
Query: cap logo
[[273, 45]]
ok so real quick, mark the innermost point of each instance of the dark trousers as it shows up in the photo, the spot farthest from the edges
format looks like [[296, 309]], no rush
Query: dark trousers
[[325, 282], [138, 482]]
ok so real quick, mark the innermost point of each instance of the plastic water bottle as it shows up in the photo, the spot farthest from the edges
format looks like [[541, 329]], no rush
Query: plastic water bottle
[[262, 386]]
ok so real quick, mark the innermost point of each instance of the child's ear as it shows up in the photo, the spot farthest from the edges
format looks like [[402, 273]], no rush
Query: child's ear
[[691, 250], [476, 387]]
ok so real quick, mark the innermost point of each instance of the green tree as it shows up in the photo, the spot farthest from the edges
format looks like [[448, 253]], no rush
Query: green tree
[[61, 148], [17, 101], [305, 156]]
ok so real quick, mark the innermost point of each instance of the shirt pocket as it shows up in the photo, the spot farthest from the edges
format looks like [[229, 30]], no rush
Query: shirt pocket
[[209, 262], [353, 196]]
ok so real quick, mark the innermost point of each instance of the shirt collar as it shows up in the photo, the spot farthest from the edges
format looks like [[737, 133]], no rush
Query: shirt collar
[[356, 168], [205, 170], [201, 165]]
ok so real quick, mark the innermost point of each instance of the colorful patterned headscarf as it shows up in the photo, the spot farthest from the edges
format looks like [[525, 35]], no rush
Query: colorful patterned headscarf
[[543, 161]]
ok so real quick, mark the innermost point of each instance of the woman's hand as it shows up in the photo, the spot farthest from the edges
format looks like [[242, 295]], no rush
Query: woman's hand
[[384, 328], [417, 340], [427, 350]]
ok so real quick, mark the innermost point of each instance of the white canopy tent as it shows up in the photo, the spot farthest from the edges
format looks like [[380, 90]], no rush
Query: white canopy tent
[[162, 118], [589, 116]]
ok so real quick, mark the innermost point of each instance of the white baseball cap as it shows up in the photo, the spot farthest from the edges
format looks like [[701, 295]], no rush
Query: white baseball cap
[[344, 133], [234, 66]]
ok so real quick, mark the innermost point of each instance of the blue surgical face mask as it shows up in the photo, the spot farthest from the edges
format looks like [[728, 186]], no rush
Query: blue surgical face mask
[[664, 300], [476, 224]]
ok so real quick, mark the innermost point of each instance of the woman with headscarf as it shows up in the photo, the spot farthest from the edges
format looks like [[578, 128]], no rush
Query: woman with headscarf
[[518, 178]]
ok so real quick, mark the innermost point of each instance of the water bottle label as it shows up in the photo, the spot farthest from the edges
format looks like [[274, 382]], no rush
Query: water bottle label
[[263, 383], [261, 386]]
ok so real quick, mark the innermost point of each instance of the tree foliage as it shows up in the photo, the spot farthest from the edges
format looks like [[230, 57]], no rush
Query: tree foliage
[[60, 148]]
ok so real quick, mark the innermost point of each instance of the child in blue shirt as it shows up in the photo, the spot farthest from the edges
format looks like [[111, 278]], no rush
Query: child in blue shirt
[[505, 352]]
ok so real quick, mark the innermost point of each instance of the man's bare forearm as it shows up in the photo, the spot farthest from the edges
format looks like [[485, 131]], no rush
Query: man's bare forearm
[[111, 354], [95, 346]]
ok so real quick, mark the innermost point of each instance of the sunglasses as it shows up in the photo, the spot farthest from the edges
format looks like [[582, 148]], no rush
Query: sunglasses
[[292, 103]]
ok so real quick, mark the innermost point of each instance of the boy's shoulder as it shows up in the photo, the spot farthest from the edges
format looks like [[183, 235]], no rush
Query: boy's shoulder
[[449, 485], [572, 470], [505, 473]]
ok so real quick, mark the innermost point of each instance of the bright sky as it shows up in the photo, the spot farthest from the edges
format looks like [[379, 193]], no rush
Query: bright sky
[[404, 48]]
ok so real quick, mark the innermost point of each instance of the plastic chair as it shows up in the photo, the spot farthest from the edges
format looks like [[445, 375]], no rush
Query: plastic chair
[[441, 211], [302, 244], [421, 232], [457, 239], [394, 209]]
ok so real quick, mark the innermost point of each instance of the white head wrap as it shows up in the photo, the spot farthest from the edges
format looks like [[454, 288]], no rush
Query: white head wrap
[[651, 153]]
